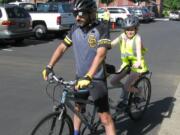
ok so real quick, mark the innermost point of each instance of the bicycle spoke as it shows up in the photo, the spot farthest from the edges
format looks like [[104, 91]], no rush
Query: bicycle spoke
[[139, 101], [51, 125]]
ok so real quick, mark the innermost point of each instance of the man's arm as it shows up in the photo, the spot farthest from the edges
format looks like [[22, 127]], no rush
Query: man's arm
[[57, 54], [100, 55]]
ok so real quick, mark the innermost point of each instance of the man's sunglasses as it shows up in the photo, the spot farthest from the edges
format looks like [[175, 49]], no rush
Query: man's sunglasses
[[80, 13]]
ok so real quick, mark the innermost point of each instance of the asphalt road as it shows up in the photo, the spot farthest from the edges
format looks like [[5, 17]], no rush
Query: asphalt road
[[23, 100]]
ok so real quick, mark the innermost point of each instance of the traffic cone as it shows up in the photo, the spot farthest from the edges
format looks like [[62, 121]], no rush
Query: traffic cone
[[113, 25]]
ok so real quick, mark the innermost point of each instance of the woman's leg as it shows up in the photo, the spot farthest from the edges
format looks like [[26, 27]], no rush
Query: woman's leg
[[115, 81], [117, 77], [132, 78]]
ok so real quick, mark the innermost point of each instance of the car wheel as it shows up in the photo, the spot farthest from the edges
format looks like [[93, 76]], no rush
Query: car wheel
[[40, 31]]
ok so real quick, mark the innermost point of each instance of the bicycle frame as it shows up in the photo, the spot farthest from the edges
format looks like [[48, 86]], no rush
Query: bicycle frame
[[91, 124], [65, 101]]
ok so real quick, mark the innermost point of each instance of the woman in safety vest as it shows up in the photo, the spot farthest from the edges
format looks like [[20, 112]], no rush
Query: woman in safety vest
[[132, 53]]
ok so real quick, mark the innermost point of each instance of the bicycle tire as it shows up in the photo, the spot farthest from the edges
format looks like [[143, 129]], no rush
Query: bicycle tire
[[51, 125], [137, 104]]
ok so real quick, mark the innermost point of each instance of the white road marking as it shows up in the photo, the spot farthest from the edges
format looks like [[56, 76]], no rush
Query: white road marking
[[8, 50]]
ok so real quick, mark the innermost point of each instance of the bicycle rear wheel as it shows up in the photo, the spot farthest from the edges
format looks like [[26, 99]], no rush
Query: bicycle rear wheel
[[51, 125], [138, 102]]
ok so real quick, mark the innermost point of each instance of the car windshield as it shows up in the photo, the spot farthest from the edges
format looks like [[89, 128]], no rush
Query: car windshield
[[16, 12], [174, 12], [54, 7], [116, 10], [100, 10]]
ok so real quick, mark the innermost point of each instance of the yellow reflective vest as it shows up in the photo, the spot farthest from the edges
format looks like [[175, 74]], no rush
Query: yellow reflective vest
[[106, 16], [128, 54]]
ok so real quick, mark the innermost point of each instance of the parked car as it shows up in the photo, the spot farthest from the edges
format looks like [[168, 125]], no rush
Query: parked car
[[151, 13], [142, 13], [52, 17], [15, 23], [174, 15], [118, 14]]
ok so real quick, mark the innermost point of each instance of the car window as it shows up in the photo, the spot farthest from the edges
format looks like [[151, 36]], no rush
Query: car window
[[16, 12], [144, 11], [62, 8], [118, 10], [138, 11], [65, 8], [28, 6], [100, 10], [43, 7]]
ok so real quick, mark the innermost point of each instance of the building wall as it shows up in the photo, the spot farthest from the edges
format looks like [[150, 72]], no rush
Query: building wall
[[118, 3]]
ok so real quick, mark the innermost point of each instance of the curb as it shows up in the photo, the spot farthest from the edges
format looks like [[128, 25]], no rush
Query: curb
[[161, 19], [170, 125]]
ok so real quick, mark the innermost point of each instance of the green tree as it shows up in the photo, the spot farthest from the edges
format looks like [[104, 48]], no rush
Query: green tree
[[171, 4]]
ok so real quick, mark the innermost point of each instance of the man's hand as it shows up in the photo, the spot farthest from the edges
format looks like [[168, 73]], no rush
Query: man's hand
[[83, 82], [46, 72]]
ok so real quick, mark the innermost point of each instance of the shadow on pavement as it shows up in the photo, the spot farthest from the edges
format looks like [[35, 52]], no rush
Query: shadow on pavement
[[153, 117]]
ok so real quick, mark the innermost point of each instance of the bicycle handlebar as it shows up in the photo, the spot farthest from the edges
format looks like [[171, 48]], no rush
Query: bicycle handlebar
[[68, 84]]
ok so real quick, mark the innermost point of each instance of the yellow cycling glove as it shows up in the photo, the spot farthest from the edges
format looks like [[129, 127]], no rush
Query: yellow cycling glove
[[83, 82], [46, 72]]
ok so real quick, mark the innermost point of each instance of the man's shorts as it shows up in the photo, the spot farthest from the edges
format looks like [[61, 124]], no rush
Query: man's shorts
[[99, 93]]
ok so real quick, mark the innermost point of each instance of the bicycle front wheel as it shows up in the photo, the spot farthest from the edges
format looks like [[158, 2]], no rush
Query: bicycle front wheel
[[52, 125], [138, 102]]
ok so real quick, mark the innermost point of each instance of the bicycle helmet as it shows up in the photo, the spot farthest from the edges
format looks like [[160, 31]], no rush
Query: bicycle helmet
[[130, 21], [85, 5]]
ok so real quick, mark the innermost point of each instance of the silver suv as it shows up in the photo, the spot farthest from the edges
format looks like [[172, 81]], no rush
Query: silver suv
[[15, 23], [118, 14]]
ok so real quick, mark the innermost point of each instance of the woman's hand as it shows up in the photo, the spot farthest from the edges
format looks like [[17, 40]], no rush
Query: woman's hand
[[137, 64]]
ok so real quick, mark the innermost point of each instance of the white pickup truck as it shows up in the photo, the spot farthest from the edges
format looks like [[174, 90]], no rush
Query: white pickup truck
[[52, 17]]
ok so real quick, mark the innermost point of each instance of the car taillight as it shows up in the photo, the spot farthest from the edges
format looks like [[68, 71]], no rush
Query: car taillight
[[8, 23], [58, 20]]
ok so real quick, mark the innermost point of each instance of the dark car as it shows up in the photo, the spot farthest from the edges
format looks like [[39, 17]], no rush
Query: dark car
[[142, 13], [15, 23]]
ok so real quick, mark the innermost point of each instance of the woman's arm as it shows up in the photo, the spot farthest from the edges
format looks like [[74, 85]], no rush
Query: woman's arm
[[115, 41], [138, 52]]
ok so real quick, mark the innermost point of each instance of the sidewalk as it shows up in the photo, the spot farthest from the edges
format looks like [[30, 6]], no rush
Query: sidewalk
[[170, 126]]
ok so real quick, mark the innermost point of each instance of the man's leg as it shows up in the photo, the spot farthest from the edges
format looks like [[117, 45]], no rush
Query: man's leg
[[77, 122], [108, 123], [103, 110], [79, 107]]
